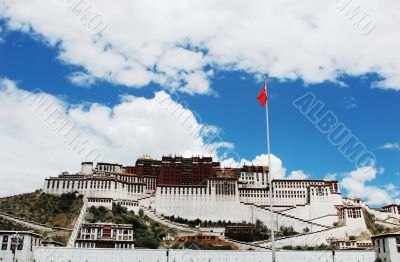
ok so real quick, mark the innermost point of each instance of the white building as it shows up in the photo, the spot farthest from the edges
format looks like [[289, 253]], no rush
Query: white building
[[387, 247], [105, 235], [352, 244], [353, 217], [253, 176], [108, 167], [18, 245], [306, 205]]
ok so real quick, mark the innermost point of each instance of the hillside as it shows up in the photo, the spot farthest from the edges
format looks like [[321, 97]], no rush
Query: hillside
[[8, 225], [52, 210]]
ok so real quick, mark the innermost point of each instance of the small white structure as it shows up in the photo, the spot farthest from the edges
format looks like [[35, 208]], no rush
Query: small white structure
[[131, 205], [108, 167], [18, 245], [105, 235], [87, 168], [353, 217], [253, 176], [387, 247], [393, 208], [352, 244]]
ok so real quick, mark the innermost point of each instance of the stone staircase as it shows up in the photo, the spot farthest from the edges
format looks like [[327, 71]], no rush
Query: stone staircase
[[247, 245], [151, 213], [78, 223], [264, 242], [279, 213]]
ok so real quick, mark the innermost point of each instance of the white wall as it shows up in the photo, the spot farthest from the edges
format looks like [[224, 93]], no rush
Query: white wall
[[100, 188], [140, 255], [310, 239]]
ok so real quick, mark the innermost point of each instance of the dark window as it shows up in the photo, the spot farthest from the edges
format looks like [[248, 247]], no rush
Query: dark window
[[383, 245], [398, 240], [19, 247], [398, 249], [4, 247], [5, 238]]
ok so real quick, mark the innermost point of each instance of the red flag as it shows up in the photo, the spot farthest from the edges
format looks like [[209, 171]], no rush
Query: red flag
[[262, 96]]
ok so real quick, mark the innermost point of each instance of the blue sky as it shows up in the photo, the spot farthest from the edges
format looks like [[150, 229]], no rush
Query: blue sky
[[223, 95]]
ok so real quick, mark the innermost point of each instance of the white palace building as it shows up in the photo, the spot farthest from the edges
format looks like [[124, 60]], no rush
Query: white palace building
[[198, 188]]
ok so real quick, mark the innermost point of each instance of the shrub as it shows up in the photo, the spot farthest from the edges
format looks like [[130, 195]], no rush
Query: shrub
[[240, 236], [141, 212], [287, 231], [147, 243]]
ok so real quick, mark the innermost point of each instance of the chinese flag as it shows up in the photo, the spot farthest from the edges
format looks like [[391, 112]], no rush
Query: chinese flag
[[262, 96]]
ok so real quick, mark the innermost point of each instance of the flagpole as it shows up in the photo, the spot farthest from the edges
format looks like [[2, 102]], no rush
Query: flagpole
[[270, 181]]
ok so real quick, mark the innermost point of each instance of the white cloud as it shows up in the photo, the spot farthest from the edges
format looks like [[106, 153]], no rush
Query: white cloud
[[298, 174], [391, 146], [33, 148], [82, 79], [356, 184], [331, 176], [174, 43], [390, 187], [278, 171]]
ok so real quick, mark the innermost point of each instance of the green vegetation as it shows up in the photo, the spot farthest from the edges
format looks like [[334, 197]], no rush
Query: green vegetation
[[373, 227], [63, 239], [57, 211], [198, 246], [261, 232], [307, 248], [198, 222], [8, 225], [241, 236], [205, 223], [147, 232], [286, 231]]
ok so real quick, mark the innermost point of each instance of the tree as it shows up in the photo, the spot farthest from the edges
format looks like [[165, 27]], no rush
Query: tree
[[141, 212], [147, 243]]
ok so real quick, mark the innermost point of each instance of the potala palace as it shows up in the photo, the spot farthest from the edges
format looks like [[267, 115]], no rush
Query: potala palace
[[198, 188], [226, 201]]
